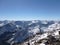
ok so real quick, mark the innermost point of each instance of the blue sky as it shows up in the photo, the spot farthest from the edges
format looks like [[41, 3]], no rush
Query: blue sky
[[29, 9]]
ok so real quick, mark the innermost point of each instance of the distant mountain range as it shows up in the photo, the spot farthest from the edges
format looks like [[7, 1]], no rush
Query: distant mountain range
[[18, 31]]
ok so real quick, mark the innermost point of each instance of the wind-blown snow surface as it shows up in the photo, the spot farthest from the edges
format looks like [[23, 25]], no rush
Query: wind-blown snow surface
[[21, 30]]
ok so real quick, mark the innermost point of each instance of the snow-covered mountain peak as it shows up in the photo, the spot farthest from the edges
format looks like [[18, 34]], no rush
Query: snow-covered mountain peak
[[23, 29]]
